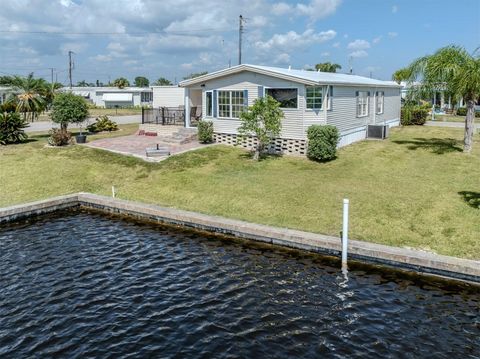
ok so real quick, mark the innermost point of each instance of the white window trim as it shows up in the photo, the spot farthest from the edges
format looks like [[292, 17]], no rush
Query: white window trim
[[206, 107], [218, 104], [356, 104], [324, 88], [383, 102], [265, 88]]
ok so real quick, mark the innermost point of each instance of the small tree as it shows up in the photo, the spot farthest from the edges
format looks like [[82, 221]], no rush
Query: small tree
[[68, 108], [121, 82], [264, 121], [141, 81], [162, 81]]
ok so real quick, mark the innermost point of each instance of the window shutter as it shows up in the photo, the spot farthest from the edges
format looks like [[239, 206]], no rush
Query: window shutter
[[214, 103], [356, 93], [245, 98], [260, 91]]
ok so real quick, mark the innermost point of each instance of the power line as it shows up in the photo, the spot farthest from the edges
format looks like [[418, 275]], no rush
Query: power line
[[159, 32]]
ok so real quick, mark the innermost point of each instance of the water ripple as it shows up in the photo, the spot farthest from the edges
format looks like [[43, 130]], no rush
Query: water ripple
[[83, 285]]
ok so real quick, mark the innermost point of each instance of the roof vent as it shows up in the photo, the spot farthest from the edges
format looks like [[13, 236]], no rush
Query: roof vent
[[289, 67]]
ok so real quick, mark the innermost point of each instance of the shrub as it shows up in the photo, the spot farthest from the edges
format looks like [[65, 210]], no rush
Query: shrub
[[205, 131], [102, 123], [413, 115], [11, 128], [59, 137], [462, 111], [322, 142]]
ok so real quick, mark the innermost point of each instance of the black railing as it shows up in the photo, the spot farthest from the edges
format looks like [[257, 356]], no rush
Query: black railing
[[173, 116]]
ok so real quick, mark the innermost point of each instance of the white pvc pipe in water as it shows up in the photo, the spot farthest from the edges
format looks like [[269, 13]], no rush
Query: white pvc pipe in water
[[345, 233]]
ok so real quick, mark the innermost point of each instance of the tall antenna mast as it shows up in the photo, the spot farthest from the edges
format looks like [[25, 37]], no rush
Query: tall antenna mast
[[350, 59], [240, 33]]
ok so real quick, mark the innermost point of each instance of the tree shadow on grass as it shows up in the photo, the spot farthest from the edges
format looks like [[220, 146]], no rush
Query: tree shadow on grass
[[471, 198], [438, 146]]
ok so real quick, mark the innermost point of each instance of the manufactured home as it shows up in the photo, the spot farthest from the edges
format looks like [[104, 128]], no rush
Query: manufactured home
[[114, 97], [307, 98]]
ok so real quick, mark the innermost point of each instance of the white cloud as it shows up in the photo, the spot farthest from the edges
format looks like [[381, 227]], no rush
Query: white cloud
[[282, 59], [292, 40], [336, 45], [358, 45], [325, 54], [318, 9], [377, 40], [314, 9], [281, 8], [392, 34], [394, 9], [358, 53]]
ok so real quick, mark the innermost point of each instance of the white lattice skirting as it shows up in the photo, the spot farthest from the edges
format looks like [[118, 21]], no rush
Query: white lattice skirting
[[278, 145]]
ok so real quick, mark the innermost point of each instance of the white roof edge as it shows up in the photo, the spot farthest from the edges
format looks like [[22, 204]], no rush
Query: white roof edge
[[294, 76]]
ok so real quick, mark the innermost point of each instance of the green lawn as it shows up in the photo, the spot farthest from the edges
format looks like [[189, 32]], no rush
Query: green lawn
[[416, 189]]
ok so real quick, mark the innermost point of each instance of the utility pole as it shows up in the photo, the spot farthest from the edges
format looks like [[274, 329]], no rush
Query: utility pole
[[70, 67], [240, 33], [350, 59], [51, 71]]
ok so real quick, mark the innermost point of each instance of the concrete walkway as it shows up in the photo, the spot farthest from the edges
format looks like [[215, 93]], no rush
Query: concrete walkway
[[47, 125]]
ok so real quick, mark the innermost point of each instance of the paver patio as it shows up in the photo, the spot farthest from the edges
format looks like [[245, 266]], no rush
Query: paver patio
[[136, 145]]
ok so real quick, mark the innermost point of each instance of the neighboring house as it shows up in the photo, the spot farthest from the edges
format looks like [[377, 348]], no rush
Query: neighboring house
[[112, 97], [168, 96], [307, 98]]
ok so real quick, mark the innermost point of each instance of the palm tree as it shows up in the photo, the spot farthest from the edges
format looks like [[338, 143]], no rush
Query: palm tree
[[121, 82], [454, 70], [29, 94], [327, 67]]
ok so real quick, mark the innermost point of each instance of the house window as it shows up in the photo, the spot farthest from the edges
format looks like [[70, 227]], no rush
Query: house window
[[362, 103], [146, 97], [314, 97], [230, 104], [288, 98], [379, 102], [209, 103]]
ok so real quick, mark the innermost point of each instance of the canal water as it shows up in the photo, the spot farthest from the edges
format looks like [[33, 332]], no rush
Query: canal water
[[86, 285]]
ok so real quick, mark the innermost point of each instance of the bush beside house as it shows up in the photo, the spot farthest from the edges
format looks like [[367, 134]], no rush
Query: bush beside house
[[205, 131], [462, 111], [322, 142]]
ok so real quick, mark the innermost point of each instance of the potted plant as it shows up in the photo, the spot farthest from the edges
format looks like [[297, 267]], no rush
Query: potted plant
[[69, 108]]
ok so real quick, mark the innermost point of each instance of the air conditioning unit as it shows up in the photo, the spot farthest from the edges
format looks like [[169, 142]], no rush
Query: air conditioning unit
[[377, 131]]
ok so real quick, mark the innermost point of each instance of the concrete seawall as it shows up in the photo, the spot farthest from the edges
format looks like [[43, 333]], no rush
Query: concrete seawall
[[418, 261]]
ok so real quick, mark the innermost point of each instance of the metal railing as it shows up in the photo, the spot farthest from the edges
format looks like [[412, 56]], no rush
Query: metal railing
[[173, 116]]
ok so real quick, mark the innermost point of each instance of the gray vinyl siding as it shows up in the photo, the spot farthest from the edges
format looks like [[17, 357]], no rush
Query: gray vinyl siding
[[343, 114], [391, 106], [293, 122]]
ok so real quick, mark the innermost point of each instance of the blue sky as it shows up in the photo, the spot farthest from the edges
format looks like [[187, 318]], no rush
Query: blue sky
[[172, 38]]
